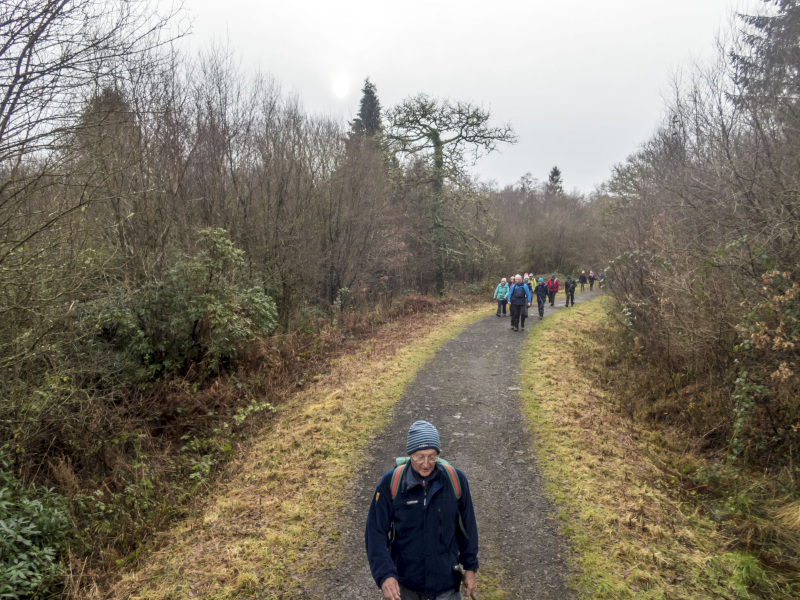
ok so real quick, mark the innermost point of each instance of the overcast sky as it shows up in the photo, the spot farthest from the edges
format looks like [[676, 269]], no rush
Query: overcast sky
[[582, 82]]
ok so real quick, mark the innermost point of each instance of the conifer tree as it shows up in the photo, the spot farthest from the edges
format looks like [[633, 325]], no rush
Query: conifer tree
[[368, 121], [555, 184]]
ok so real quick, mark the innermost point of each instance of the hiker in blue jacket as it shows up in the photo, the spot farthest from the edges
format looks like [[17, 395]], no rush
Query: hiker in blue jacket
[[528, 281], [501, 295], [519, 296], [421, 526], [541, 296]]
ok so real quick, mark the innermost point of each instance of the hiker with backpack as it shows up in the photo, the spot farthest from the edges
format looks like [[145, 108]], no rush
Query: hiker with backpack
[[519, 296], [421, 525], [582, 280], [552, 288], [591, 279], [541, 296], [501, 295], [569, 289], [528, 282]]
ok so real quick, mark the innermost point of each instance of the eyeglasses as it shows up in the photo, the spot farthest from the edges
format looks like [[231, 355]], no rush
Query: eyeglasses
[[418, 460]]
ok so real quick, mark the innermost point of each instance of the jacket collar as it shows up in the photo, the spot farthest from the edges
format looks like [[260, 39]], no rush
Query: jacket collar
[[414, 479]]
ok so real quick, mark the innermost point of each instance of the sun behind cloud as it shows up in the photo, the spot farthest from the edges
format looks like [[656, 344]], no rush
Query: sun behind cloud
[[340, 85]]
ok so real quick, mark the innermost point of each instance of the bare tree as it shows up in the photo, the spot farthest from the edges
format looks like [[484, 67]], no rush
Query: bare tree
[[50, 50], [54, 54], [450, 135]]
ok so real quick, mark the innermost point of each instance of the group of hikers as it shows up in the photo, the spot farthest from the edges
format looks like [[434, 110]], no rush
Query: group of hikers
[[421, 535], [519, 293]]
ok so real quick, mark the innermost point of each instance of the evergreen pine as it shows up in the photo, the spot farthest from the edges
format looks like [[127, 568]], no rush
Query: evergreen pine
[[368, 121], [555, 184], [766, 67]]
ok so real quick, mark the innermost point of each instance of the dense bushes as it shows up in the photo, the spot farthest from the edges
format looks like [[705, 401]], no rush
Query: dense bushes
[[701, 233], [129, 375], [766, 396], [193, 322], [202, 312]]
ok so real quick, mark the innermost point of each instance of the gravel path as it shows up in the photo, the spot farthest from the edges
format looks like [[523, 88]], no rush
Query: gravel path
[[467, 392]]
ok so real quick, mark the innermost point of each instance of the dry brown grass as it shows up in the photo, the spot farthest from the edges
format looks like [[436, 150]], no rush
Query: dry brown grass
[[789, 516], [272, 521], [625, 502]]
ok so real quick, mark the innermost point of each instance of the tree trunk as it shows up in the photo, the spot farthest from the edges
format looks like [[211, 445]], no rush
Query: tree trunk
[[437, 220]]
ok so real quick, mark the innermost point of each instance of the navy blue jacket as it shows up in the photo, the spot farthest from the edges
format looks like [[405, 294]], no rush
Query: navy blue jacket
[[541, 292], [428, 542]]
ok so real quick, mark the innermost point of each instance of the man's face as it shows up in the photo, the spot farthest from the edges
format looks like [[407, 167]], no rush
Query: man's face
[[424, 461]]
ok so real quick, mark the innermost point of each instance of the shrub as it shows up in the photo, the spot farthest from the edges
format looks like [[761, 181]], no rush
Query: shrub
[[198, 313], [768, 386], [33, 534]]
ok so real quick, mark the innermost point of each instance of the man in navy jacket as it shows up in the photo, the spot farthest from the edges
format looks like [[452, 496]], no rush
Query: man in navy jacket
[[541, 296], [519, 296], [416, 540]]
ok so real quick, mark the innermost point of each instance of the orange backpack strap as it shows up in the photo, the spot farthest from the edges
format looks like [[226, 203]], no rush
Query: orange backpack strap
[[396, 477], [456, 483], [453, 477]]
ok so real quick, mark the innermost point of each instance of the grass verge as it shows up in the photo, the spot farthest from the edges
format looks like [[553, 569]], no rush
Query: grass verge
[[635, 526], [273, 521]]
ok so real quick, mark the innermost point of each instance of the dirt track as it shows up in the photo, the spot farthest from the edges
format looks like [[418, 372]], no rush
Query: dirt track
[[465, 390]]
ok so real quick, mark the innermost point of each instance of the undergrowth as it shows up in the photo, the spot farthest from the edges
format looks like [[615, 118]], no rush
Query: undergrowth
[[129, 448], [272, 521], [649, 514], [34, 525]]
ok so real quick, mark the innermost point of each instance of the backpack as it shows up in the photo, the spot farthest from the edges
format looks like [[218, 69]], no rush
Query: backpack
[[520, 287], [401, 462]]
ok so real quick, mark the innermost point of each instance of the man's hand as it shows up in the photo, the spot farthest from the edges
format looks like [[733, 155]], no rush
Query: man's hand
[[468, 585], [391, 589]]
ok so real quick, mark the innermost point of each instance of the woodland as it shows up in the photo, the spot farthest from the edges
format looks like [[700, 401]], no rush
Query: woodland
[[182, 244]]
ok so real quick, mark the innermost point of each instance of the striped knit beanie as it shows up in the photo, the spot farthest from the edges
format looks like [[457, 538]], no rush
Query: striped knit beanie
[[422, 436]]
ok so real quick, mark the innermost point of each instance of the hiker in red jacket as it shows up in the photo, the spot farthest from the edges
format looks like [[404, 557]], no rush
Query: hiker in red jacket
[[552, 289]]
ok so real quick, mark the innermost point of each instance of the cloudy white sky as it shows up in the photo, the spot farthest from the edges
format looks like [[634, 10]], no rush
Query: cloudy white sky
[[582, 82]]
